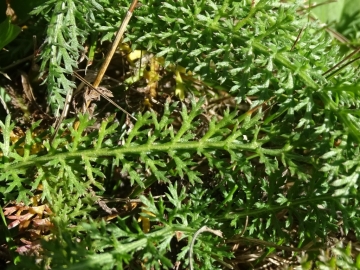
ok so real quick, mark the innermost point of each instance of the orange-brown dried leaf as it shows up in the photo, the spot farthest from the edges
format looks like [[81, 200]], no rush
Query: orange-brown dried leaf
[[24, 217], [34, 214], [37, 209], [34, 234], [14, 224], [130, 206], [47, 210], [21, 209], [10, 210], [43, 224], [24, 224], [110, 217], [178, 235], [10, 13], [26, 242], [30, 248]]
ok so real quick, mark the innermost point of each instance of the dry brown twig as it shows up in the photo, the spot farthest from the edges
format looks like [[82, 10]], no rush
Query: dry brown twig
[[103, 95], [198, 232], [114, 45], [101, 72]]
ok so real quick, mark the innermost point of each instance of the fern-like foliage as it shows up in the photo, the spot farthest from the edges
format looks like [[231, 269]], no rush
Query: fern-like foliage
[[338, 257], [290, 165], [67, 31], [248, 50]]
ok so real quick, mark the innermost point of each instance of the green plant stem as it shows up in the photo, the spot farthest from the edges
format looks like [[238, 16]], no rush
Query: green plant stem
[[137, 149], [130, 247], [276, 208]]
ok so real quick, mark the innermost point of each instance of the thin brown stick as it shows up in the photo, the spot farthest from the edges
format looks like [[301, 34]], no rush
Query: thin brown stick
[[68, 101], [254, 241], [114, 46], [127, 200], [297, 38], [197, 233], [104, 96], [101, 73], [341, 62], [18, 62], [245, 227], [343, 66]]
